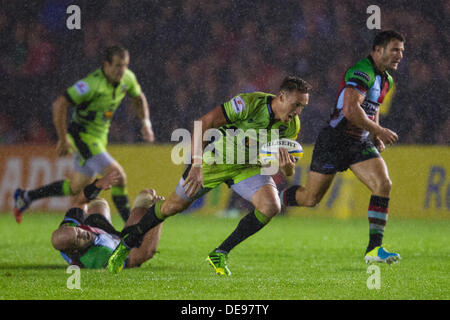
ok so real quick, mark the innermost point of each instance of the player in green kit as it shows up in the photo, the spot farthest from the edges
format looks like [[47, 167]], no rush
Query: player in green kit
[[95, 98], [258, 115]]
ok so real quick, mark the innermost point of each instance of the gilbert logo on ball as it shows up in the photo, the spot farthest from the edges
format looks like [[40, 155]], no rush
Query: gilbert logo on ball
[[268, 153]]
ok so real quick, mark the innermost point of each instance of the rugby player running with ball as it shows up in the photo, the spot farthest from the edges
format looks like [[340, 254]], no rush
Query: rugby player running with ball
[[254, 112]]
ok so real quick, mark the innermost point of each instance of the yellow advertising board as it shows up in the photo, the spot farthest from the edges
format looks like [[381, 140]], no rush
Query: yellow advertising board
[[420, 185], [420, 175]]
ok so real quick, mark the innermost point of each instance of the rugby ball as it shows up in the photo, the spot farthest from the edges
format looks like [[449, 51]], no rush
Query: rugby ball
[[268, 153]]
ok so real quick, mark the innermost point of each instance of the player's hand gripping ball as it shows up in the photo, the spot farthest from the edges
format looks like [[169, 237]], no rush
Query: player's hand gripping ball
[[268, 153]]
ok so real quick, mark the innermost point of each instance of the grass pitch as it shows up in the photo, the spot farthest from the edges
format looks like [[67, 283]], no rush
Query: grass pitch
[[292, 258]]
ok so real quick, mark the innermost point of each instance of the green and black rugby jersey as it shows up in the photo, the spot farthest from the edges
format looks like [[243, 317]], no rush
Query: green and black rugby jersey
[[95, 100], [250, 123]]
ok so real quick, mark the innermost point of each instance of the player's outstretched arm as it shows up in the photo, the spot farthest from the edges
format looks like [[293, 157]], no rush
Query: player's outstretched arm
[[60, 107], [213, 119], [140, 104], [92, 190]]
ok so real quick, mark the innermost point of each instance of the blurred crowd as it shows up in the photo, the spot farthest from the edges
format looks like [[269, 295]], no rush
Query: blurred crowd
[[192, 55]]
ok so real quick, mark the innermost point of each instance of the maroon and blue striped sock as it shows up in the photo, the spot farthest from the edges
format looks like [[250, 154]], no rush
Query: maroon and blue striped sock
[[378, 215], [287, 196]]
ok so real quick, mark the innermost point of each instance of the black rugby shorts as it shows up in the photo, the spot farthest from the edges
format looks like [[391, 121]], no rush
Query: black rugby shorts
[[334, 151]]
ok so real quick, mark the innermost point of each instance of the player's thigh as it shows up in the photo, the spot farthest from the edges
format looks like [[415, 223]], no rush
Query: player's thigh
[[317, 184], [261, 191], [330, 154], [115, 166], [374, 174], [102, 163]]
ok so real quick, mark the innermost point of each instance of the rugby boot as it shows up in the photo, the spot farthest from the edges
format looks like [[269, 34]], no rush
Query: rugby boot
[[218, 261], [20, 204], [379, 254]]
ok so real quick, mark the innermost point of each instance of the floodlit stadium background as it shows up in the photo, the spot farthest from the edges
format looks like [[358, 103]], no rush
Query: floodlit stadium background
[[190, 56]]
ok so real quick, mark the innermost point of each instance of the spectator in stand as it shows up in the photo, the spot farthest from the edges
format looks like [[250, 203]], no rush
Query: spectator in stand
[[181, 46]]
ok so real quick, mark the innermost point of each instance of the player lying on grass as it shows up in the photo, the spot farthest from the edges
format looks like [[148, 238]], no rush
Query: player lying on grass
[[250, 112], [86, 236], [354, 139]]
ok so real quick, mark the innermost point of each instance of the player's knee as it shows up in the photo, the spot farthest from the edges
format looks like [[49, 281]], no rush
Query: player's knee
[[383, 187], [99, 205], [75, 188], [311, 202], [270, 209], [150, 254], [122, 178], [388, 185], [117, 169]]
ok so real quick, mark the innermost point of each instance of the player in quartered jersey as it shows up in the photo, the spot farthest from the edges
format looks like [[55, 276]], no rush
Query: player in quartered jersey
[[365, 78], [249, 112], [95, 98], [354, 139], [86, 236]]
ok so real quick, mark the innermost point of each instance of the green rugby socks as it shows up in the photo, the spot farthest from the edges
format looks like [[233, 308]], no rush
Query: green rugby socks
[[120, 199], [249, 225], [56, 189]]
